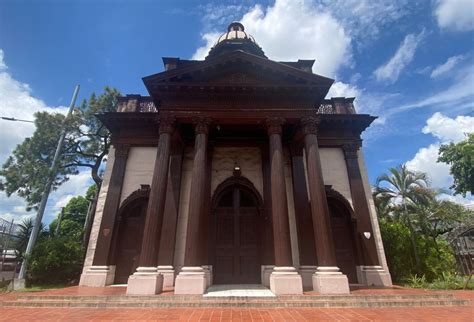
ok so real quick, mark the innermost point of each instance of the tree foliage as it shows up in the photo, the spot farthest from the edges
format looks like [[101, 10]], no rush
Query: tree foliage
[[414, 225], [86, 144], [460, 157], [55, 260]]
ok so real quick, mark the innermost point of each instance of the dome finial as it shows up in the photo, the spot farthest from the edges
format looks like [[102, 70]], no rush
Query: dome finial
[[235, 26]]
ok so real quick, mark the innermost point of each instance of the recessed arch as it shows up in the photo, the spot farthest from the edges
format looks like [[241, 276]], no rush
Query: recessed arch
[[343, 228], [127, 234], [236, 232]]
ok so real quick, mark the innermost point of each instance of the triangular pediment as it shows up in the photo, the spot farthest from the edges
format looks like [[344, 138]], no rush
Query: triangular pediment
[[236, 69]]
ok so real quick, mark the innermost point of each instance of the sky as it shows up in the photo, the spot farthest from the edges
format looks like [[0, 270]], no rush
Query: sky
[[411, 63]]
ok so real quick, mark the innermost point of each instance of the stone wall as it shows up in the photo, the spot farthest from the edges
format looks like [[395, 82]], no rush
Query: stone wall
[[334, 169], [99, 210], [139, 169]]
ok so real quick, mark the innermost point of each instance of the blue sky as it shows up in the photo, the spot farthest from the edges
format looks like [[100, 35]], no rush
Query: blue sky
[[408, 62]]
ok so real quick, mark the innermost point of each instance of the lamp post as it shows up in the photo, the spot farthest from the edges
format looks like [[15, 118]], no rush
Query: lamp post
[[20, 282]]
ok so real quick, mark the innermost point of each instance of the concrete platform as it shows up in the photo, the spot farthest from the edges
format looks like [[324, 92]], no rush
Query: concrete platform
[[114, 297]]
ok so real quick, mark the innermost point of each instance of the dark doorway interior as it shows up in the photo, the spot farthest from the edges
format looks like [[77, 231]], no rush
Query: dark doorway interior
[[235, 247], [129, 240], [343, 236]]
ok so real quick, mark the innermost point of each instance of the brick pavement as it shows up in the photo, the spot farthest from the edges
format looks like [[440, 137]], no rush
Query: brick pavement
[[465, 313]]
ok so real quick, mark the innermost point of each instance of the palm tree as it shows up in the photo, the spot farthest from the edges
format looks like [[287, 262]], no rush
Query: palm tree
[[404, 188], [23, 235]]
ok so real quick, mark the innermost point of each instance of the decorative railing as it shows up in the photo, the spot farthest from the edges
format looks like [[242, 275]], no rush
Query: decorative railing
[[145, 104], [337, 105], [136, 103]]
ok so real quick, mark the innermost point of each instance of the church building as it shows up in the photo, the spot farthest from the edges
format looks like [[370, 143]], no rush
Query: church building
[[235, 170]]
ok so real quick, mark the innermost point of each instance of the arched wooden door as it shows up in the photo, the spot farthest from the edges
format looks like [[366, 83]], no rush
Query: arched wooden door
[[129, 239], [236, 232], [343, 236]]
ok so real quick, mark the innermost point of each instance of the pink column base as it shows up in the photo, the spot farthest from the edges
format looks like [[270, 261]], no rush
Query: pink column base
[[191, 280], [286, 281], [328, 280], [145, 281]]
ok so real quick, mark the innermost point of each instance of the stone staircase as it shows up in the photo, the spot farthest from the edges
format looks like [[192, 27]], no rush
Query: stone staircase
[[176, 301]]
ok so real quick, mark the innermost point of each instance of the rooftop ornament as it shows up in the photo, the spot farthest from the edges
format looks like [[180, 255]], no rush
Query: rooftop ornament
[[236, 39]]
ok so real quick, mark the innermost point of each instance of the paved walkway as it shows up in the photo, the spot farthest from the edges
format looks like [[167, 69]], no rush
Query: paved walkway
[[465, 313]]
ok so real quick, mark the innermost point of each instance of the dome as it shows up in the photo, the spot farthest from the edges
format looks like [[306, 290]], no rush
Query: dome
[[236, 39]]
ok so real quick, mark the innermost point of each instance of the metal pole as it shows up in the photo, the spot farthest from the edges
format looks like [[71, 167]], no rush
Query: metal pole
[[56, 231], [47, 189]]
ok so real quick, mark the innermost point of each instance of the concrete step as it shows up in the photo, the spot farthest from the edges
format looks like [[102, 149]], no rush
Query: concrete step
[[236, 303], [166, 298]]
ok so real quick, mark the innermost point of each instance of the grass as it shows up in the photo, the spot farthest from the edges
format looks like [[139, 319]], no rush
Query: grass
[[445, 282], [42, 287]]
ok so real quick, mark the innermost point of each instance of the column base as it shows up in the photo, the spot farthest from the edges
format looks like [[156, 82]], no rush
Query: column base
[[191, 280], [374, 276], [98, 276], [285, 281], [208, 271], [265, 275], [306, 272], [329, 280], [168, 276], [145, 281]]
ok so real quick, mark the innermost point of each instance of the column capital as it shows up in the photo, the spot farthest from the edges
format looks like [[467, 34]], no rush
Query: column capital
[[202, 124], [310, 125], [121, 150], [274, 125], [350, 150], [167, 125]]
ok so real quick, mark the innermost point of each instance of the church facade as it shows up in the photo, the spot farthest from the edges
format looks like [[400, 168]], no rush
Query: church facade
[[235, 170]]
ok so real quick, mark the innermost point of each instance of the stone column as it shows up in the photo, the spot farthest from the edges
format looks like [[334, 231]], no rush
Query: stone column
[[170, 216], [369, 272], [327, 279], [284, 278], [304, 221], [101, 273], [192, 278], [147, 280]]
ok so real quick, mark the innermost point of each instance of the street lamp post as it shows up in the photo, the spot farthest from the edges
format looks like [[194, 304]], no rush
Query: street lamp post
[[20, 282]]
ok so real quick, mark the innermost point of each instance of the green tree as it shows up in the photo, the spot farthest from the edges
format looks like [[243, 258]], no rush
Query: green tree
[[72, 218], [86, 145], [460, 157], [404, 187], [56, 260]]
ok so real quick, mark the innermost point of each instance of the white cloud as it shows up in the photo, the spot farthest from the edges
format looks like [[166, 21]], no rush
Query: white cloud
[[468, 202], [364, 19], [425, 161], [458, 97], [291, 30], [340, 89], [391, 70], [16, 100], [447, 66], [446, 129], [457, 15]]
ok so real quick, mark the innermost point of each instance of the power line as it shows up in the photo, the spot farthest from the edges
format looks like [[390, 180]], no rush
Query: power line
[[14, 119]]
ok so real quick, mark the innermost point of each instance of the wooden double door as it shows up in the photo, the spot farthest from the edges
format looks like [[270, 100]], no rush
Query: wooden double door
[[344, 241], [236, 228], [129, 241]]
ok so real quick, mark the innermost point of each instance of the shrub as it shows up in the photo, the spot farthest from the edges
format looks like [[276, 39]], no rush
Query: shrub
[[436, 258], [55, 260]]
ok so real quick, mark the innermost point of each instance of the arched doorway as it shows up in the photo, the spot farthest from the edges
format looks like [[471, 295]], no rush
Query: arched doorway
[[342, 227], [236, 229], [129, 235]]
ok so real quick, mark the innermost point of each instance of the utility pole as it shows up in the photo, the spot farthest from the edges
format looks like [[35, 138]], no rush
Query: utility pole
[[56, 231], [44, 199]]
